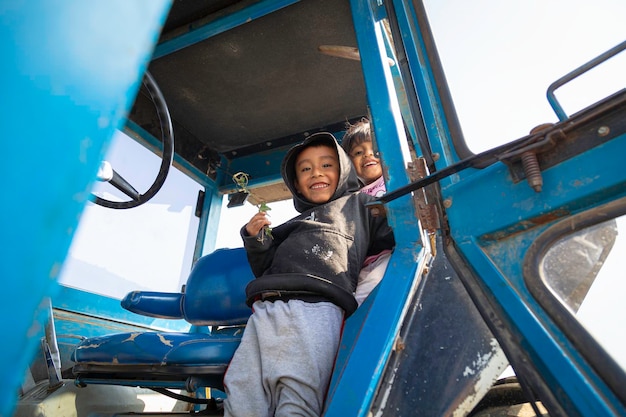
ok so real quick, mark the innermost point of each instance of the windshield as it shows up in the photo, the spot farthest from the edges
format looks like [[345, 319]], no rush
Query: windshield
[[149, 247]]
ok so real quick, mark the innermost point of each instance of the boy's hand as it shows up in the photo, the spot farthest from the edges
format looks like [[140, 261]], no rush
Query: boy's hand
[[257, 223]]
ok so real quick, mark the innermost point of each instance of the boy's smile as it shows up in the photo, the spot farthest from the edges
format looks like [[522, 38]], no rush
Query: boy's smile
[[317, 173]]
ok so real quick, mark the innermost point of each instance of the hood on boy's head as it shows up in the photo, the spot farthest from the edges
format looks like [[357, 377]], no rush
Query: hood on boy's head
[[348, 181]]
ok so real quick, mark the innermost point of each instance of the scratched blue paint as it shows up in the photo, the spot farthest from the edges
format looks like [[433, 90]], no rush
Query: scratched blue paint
[[495, 241], [62, 98]]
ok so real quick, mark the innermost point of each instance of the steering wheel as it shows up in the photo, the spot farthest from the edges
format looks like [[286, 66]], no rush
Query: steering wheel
[[108, 174]]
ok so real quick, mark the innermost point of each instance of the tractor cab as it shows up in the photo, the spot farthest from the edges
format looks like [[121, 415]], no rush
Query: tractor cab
[[161, 127]]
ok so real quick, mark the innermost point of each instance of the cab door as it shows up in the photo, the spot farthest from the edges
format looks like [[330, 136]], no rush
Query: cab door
[[532, 225], [529, 227]]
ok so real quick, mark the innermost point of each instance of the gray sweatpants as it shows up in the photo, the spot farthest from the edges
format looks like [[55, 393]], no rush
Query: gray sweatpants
[[284, 363]]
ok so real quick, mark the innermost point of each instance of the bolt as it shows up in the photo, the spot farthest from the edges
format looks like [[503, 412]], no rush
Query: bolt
[[603, 130], [400, 345], [532, 170], [447, 203]]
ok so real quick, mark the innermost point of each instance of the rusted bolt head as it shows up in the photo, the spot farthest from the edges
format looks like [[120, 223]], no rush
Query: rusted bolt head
[[603, 130]]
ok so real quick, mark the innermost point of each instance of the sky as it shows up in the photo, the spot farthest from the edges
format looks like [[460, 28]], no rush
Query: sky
[[499, 58]]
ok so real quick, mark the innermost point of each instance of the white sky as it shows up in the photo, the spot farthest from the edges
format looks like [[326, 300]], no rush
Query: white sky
[[501, 56]]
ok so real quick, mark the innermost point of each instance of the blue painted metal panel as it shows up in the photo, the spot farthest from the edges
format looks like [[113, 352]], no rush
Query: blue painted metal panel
[[200, 33], [360, 367], [585, 180], [494, 246], [62, 98]]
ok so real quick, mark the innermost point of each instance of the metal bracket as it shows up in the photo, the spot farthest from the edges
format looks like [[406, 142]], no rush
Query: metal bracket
[[426, 210]]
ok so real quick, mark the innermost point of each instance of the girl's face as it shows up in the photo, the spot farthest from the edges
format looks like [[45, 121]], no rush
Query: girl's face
[[367, 165]]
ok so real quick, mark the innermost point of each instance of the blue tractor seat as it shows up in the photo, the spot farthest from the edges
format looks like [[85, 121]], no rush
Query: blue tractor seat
[[213, 296]]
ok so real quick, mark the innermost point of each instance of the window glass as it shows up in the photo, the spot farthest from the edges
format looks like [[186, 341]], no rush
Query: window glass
[[583, 271], [149, 247], [234, 218], [500, 58]]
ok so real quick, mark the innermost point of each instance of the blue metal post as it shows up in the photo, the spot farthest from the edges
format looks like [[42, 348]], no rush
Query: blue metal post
[[357, 376], [69, 73]]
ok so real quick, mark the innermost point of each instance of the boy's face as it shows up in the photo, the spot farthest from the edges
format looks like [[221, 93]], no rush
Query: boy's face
[[367, 166], [317, 173]]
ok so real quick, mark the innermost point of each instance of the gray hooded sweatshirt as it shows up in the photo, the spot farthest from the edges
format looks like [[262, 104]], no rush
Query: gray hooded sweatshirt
[[317, 255]]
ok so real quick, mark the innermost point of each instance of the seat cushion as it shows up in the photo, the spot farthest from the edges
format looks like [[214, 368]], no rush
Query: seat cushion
[[159, 349], [215, 293]]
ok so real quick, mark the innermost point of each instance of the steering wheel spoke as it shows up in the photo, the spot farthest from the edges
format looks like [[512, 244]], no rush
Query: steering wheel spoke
[[107, 173], [124, 186]]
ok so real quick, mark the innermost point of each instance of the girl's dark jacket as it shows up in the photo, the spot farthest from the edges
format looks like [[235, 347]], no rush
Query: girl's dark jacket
[[318, 254]]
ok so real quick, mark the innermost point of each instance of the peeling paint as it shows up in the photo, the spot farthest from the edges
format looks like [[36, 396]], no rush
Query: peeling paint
[[478, 364], [386, 390], [164, 340], [468, 371], [131, 338], [92, 346], [485, 370]]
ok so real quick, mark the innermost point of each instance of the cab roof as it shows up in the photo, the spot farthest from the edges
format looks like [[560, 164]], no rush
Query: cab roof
[[243, 77]]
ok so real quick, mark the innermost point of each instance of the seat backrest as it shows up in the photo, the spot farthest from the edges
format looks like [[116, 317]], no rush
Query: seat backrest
[[215, 291]]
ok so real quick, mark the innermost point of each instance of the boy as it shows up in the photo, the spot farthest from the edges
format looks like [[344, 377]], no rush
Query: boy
[[357, 142], [306, 275]]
